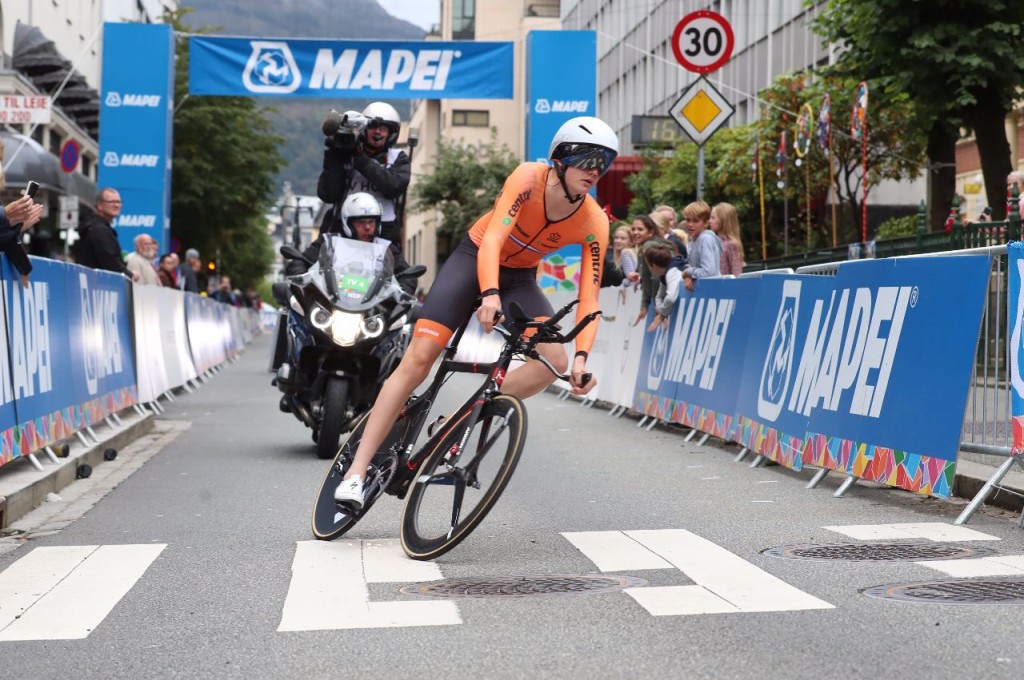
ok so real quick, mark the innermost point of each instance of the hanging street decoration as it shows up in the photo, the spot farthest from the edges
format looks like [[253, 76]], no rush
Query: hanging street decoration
[[859, 130], [825, 144]]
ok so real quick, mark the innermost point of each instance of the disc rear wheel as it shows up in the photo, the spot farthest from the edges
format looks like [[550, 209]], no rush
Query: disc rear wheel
[[450, 497]]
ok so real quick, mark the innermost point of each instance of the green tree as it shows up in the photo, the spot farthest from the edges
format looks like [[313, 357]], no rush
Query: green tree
[[463, 185], [225, 157], [961, 63]]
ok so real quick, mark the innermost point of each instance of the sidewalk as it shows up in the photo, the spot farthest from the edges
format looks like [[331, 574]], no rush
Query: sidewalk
[[24, 488]]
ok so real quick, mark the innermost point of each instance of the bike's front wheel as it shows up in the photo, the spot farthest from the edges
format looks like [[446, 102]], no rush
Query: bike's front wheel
[[449, 498]]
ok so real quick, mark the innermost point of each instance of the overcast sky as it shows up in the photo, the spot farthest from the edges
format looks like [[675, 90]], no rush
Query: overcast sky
[[423, 13]]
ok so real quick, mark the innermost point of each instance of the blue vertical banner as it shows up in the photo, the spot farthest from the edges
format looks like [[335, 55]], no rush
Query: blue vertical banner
[[552, 97], [136, 111]]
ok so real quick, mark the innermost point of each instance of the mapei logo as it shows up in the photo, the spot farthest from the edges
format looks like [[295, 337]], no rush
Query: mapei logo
[[562, 106], [103, 358], [112, 159], [699, 334], [271, 68], [848, 345], [115, 100], [136, 221]]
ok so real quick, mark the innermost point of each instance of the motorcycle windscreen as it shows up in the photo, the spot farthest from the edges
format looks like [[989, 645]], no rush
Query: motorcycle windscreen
[[356, 274]]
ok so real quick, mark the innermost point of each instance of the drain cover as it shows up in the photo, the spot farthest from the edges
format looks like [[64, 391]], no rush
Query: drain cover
[[1005, 590], [877, 552], [523, 586]]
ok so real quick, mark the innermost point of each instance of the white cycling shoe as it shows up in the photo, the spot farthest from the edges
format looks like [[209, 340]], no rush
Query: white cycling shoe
[[350, 491]]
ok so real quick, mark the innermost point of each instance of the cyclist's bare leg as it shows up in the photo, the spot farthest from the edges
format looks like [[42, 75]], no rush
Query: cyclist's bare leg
[[413, 370], [533, 376]]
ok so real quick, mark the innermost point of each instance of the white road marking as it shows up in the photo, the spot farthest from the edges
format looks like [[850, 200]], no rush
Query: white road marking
[[329, 591], [998, 565], [725, 583], [63, 593], [614, 551], [933, 531]]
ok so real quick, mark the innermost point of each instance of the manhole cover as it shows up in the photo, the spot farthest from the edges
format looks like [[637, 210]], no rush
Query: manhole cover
[[1006, 590], [523, 586], [872, 552]]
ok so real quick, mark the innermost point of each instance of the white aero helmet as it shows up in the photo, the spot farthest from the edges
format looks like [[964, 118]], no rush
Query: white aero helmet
[[356, 206], [585, 142], [379, 113]]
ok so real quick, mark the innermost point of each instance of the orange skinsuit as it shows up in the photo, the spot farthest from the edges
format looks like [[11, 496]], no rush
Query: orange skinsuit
[[516, 233]]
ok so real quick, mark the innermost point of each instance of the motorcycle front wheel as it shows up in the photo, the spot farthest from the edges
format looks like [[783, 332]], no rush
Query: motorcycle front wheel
[[334, 403]]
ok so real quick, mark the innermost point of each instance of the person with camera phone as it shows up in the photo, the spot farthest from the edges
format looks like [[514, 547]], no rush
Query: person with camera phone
[[359, 157], [16, 218]]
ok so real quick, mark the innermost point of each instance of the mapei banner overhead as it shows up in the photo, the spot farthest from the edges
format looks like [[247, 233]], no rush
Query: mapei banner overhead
[[136, 111], [289, 67]]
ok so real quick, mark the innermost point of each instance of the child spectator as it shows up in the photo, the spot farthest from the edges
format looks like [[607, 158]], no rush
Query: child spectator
[[705, 249], [664, 263]]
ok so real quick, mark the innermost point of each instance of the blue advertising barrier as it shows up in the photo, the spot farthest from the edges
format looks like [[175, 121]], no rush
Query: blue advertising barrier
[[689, 371], [69, 360], [888, 401], [866, 372], [339, 69], [136, 109], [551, 97], [1015, 307]]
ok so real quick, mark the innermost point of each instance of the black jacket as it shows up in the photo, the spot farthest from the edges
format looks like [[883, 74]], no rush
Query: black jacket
[[390, 182], [98, 247]]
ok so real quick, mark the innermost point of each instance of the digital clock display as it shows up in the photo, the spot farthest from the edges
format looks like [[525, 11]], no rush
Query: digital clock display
[[656, 131]]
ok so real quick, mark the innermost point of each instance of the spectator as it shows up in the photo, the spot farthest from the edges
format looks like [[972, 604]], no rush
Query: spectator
[[224, 293], [166, 271], [645, 233], [141, 260], [668, 266], [726, 224], [188, 273], [1015, 177], [665, 221], [665, 215], [97, 241], [705, 254], [16, 218], [619, 260]]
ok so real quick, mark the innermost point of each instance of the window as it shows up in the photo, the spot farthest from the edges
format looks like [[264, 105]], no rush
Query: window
[[471, 118], [463, 19]]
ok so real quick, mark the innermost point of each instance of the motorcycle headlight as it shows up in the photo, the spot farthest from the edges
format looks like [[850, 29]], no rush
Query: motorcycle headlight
[[372, 326], [345, 328], [320, 318]]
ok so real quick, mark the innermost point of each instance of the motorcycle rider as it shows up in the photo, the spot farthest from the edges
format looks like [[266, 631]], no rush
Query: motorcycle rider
[[371, 166], [360, 220]]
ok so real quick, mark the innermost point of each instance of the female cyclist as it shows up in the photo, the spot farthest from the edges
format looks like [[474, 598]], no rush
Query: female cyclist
[[541, 208]]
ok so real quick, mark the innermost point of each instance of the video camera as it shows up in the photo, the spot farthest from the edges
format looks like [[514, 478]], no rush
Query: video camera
[[342, 129]]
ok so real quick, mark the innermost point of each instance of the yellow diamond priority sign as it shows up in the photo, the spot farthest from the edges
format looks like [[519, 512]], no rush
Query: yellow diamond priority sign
[[701, 110]]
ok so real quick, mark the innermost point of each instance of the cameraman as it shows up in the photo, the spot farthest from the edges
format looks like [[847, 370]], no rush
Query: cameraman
[[364, 161]]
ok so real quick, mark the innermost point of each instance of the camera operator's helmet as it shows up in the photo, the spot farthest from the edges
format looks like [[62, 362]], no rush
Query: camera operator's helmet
[[379, 113], [356, 206], [586, 143]]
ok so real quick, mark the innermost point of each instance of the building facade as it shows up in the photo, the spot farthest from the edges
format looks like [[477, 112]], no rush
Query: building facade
[[50, 47]]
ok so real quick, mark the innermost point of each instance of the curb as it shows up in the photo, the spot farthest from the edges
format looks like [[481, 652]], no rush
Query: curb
[[29, 487]]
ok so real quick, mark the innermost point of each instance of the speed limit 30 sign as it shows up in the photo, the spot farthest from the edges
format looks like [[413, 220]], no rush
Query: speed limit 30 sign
[[702, 41]]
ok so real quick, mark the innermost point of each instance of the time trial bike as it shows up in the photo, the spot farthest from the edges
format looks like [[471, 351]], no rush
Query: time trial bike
[[452, 481]]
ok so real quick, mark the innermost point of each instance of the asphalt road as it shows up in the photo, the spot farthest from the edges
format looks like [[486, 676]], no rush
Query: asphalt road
[[218, 521]]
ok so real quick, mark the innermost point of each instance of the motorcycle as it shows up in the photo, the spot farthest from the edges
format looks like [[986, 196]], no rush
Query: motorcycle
[[348, 324]]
